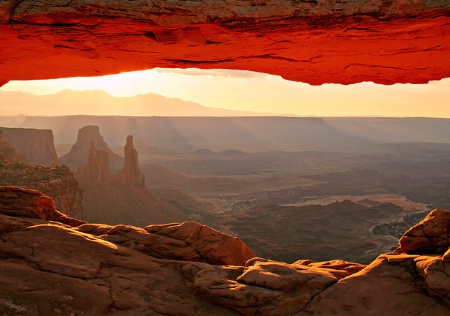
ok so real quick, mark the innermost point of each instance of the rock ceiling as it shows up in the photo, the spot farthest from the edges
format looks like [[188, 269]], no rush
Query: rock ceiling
[[313, 41]]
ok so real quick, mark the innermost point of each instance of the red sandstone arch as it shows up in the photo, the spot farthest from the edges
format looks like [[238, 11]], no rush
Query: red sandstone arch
[[310, 41]]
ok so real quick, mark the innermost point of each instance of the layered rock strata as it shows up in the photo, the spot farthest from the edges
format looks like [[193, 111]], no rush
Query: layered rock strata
[[96, 168], [310, 41], [36, 146], [80, 152], [53, 264], [59, 183]]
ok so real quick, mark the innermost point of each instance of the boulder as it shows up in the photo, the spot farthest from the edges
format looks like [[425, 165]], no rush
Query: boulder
[[431, 235]]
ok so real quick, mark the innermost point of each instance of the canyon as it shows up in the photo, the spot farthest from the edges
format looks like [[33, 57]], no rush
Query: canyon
[[52, 263]]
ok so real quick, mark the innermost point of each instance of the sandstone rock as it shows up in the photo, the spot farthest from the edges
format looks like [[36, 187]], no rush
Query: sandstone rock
[[48, 267], [35, 145], [189, 241], [79, 154], [388, 286], [58, 183], [339, 268], [431, 235], [130, 173], [31, 203], [96, 169], [310, 41]]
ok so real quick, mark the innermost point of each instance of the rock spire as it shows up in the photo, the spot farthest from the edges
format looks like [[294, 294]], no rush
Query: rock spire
[[130, 173], [96, 169]]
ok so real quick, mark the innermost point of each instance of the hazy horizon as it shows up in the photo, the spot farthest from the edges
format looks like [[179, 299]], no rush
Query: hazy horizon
[[257, 92]]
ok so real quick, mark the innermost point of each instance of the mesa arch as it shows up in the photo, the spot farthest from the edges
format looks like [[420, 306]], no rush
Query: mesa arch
[[312, 41]]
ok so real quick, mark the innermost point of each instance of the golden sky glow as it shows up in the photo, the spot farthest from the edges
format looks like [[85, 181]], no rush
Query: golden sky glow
[[249, 91]]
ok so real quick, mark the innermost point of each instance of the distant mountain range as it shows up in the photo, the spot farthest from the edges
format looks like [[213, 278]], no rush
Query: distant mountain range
[[99, 102]]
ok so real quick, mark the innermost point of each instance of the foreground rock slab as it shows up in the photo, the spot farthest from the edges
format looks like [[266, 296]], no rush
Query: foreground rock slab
[[51, 264]]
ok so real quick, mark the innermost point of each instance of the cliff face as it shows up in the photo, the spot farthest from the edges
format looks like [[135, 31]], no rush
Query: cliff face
[[36, 145], [96, 169], [80, 152], [337, 41], [191, 269], [59, 183]]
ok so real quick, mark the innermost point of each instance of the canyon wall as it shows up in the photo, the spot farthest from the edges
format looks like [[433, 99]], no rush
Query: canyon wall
[[35, 145], [58, 183]]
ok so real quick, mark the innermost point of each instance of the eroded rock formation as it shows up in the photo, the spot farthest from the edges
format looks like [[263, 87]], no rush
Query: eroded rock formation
[[35, 145], [96, 169], [53, 264], [81, 150], [58, 183], [310, 41], [130, 173]]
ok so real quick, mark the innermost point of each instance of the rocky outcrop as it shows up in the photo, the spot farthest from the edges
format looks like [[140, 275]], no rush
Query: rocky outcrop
[[130, 173], [35, 145], [80, 152], [310, 41], [188, 241], [52, 264], [58, 183], [431, 235], [21, 202], [96, 169]]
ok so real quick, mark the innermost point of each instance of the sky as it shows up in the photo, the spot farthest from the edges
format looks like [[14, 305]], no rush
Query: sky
[[250, 91]]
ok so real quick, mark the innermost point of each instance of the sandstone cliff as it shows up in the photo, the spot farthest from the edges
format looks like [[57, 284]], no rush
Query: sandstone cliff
[[79, 153], [36, 145], [96, 169], [53, 264], [58, 182]]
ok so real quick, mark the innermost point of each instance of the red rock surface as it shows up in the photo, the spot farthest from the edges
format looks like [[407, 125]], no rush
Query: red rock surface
[[21, 202], [59, 183], [310, 41], [431, 235], [51, 264]]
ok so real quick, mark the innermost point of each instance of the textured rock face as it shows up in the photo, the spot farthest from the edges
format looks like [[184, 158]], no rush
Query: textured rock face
[[35, 145], [52, 264], [59, 183], [189, 241], [130, 173], [80, 152], [21, 202], [310, 41], [431, 235], [96, 169]]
